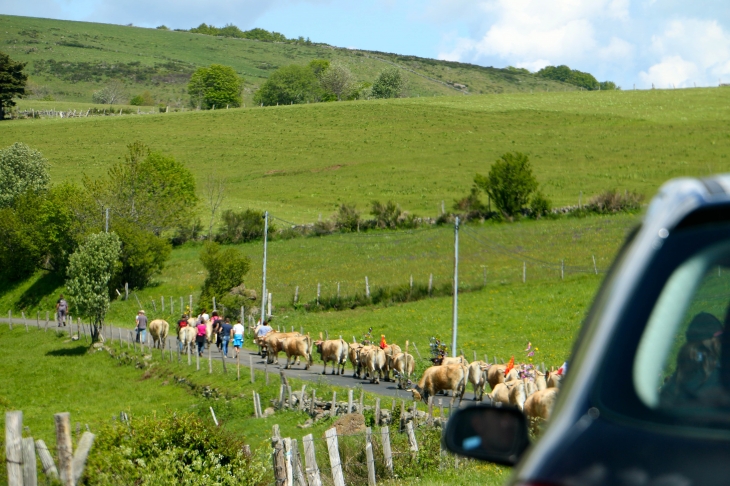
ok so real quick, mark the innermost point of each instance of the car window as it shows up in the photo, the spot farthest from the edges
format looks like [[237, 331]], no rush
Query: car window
[[678, 364]]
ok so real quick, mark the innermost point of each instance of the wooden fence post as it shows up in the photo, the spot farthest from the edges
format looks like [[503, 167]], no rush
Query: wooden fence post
[[333, 409], [367, 288], [288, 462], [377, 412], [387, 453], [210, 359], [250, 364], [429, 421], [412, 437], [311, 402], [369, 456], [361, 407], [278, 458], [49, 467], [288, 393], [349, 401], [64, 448], [296, 465], [82, 452], [14, 447], [255, 408], [47, 321], [301, 399], [30, 468], [281, 397], [10, 319], [311, 469], [334, 453]]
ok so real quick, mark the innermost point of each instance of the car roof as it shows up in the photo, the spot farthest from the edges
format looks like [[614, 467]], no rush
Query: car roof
[[680, 197]]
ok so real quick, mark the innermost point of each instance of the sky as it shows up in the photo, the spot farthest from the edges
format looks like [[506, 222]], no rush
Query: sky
[[665, 43]]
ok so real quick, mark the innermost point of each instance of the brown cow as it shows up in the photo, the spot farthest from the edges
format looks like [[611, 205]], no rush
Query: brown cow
[[540, 404], [477, 376], [272, 343], [390, 351], [520, 392], [297, 346], [495, 374], [187, 335], [372, 359], [335, 350], [158, 330], [553, 379], [500, 392], [441, 378], [403, 364], [354, 355], [456, 360]]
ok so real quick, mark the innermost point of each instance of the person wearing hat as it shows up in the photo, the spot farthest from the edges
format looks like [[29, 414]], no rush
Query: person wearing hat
[[141, 327]]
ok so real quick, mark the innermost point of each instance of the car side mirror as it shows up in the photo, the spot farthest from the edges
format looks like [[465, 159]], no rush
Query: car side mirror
[[491, 433]]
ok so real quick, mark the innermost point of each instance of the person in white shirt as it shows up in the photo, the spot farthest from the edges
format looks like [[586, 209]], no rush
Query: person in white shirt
[[237, 335]]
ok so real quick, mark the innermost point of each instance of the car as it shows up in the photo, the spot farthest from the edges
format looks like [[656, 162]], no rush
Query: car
[[646, 398]]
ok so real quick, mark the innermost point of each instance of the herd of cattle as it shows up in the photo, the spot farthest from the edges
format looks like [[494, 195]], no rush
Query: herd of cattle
[[523, 386]]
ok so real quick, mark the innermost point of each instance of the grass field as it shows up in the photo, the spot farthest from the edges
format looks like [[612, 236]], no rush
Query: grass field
[[34, 40], [299, 162], [46, 373]]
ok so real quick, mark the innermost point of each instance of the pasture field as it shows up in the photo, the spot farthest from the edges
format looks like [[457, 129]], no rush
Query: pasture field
[[87, 54], [389, 259], [301, 161]]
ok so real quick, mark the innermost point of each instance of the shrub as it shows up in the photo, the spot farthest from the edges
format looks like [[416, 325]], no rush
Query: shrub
[[539, 206], [178, 450], [510, 183], [241, 226], [143, 255], [347, 218], [390, 84], [226, 269], [291, 84], [323, 228], [187, 232], [144, 99], [215, 86], [386, 215], [613, 201]]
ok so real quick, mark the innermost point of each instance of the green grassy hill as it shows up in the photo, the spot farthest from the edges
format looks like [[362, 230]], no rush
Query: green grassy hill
[[69, 60], [301, 161]]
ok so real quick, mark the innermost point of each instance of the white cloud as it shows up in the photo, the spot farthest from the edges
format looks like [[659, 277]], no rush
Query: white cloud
[[691, 51], [672, 71], [527, 32]]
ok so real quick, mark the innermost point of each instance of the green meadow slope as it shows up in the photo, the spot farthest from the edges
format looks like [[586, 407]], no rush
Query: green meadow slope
[[300, 161], [86, 55]]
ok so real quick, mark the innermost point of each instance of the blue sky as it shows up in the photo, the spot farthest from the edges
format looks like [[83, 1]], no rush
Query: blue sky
[[632, 42]]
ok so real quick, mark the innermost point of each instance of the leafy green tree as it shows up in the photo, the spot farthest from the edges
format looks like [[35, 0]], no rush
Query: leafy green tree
[[390, 84], [571, 76], [338, 79], [290, 84], [608, 86], [149, 189], [226, 268], [90, 270], [319, 66], [22, 169], [510, 183], [215, 86], [12, 82], [143, 255], [19, 251]]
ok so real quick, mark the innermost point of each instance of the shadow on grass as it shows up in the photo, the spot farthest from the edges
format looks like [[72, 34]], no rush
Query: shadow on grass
[[41, 288], [75, 351]]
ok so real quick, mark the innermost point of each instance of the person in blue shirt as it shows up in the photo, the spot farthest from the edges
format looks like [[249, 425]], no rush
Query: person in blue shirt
[[225, 335]]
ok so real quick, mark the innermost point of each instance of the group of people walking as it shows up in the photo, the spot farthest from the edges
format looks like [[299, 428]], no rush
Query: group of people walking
[[222, 332]]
